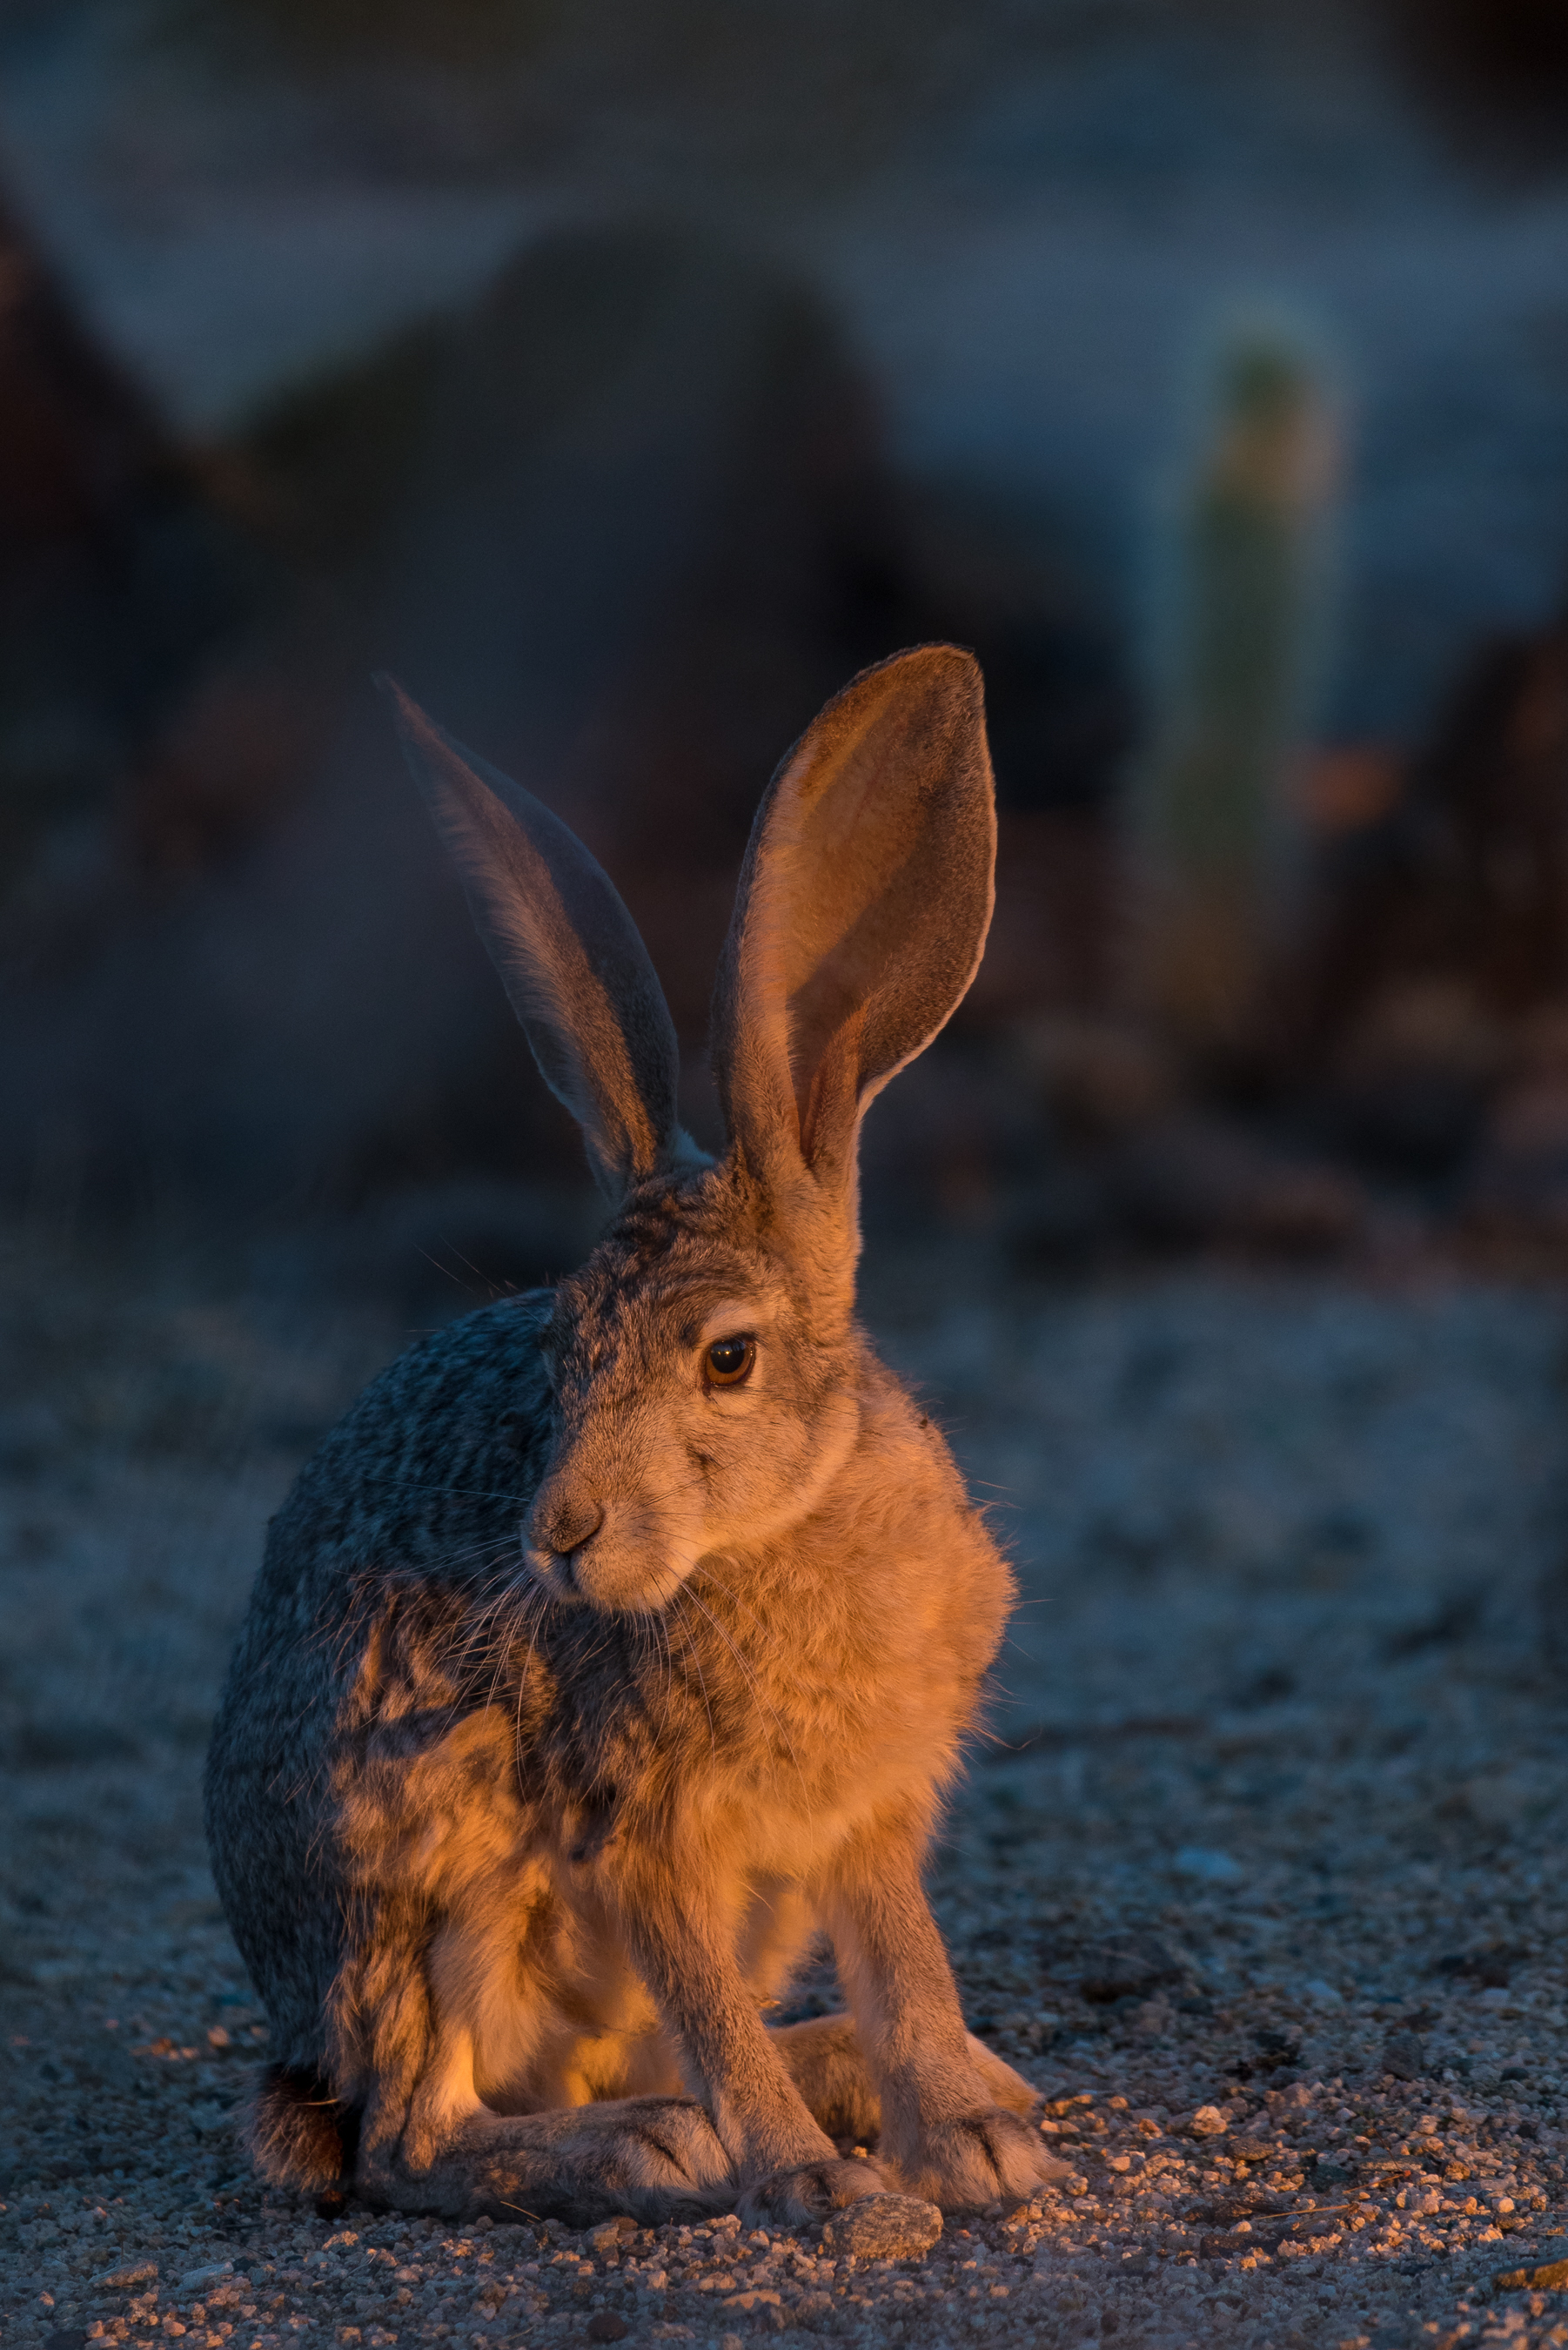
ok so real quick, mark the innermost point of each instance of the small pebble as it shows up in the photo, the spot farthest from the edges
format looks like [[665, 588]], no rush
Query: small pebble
[[605, 2239], [121, 2280], [884, 2228]]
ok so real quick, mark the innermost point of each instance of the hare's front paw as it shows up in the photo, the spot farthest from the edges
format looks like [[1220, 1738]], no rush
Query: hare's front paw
[[807, 2193], [655, 2157], [985, 2158]]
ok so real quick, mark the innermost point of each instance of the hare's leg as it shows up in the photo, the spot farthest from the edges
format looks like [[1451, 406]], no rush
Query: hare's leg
[[952, 2114], [788, 2168]]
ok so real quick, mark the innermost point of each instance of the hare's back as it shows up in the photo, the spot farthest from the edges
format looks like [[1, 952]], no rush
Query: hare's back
[[415, 1499], [440, 1456], [405, 1520]]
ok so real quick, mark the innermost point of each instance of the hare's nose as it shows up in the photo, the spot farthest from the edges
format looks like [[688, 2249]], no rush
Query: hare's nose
[[570, 1525]]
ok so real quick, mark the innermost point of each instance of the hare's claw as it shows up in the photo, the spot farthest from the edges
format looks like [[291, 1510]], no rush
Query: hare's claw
[[807, 2193]]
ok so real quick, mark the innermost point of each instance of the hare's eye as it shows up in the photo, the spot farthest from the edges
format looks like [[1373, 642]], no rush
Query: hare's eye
[[728, 1360]]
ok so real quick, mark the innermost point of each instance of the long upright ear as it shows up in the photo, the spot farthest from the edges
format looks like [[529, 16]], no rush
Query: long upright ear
[[569, 953], [862, 913]]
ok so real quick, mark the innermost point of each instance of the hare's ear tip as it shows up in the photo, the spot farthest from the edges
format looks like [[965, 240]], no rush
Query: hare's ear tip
[[956, 659], [422, 740], [404, 709], [951, 672]]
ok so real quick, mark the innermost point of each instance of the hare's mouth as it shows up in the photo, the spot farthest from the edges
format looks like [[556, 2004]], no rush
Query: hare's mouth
[[557, 1570]]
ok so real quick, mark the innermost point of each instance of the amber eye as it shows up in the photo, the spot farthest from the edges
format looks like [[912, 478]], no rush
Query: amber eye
[[728, 1360]]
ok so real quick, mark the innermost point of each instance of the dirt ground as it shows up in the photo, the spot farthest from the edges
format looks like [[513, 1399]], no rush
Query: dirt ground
[[1259, 1874]]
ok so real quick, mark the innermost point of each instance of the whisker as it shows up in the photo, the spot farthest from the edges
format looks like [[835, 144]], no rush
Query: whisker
[[496, 1290], [702, 1679], [445, 1271], [440, 1485], [544, 1599], [661, 1631]]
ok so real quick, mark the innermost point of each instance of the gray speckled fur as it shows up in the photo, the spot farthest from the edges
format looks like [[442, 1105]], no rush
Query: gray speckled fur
[[413, 1504]]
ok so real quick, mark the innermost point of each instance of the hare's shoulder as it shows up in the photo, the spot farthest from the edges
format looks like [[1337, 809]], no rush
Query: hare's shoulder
[[431, 1469]]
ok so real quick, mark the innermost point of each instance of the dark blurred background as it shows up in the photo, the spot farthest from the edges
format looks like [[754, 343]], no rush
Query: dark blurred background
[[623, 379]]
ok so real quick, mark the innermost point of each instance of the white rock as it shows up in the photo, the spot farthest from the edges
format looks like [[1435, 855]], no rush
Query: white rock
[[1323, 1994], [1211, 1866]]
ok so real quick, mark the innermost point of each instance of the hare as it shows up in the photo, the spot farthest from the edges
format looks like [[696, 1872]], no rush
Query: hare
[[623, 1636]]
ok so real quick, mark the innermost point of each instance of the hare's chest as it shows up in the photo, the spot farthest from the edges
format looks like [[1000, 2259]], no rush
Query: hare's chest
[[788, 1828]]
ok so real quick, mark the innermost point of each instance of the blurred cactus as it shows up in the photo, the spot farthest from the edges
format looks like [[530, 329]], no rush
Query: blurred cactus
[[1241, 638]]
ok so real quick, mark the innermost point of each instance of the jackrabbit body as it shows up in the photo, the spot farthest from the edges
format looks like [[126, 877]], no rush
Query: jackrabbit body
[[622, 1637]]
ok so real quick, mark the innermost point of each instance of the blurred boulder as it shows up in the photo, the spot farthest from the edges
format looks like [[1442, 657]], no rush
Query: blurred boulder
[[120, 572], [622, 528]]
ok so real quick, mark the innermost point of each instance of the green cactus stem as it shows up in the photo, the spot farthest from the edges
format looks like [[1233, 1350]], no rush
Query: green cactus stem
[[1217, 845]]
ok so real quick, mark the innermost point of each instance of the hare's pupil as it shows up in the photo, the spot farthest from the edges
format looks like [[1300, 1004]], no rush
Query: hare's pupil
[[729, 1358]]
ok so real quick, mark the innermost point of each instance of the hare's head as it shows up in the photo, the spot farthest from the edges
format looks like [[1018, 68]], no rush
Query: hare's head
[[703, 1362]]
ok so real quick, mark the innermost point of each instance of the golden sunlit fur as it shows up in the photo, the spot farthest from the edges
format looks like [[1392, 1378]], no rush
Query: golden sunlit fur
[[581, 1689]]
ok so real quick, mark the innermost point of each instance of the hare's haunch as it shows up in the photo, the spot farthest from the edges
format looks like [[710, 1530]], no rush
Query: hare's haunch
[[623, 1636]]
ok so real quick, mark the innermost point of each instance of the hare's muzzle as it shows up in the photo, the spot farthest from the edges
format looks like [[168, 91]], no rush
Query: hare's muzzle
[[559, 1526]]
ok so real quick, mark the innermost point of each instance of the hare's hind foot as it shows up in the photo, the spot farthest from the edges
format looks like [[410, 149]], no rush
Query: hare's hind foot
[[656, 2159], [984, 2157], [994, 2154], [828, 2067]]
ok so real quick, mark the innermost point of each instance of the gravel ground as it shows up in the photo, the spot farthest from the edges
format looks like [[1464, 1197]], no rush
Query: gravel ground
[[1258, 1874]]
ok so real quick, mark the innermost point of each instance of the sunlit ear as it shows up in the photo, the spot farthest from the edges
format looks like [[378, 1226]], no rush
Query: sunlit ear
[[569, 953], [862, 912]]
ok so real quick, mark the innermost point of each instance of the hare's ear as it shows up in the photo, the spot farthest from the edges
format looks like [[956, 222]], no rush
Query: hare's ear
[[862, 913], [569, 953]]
